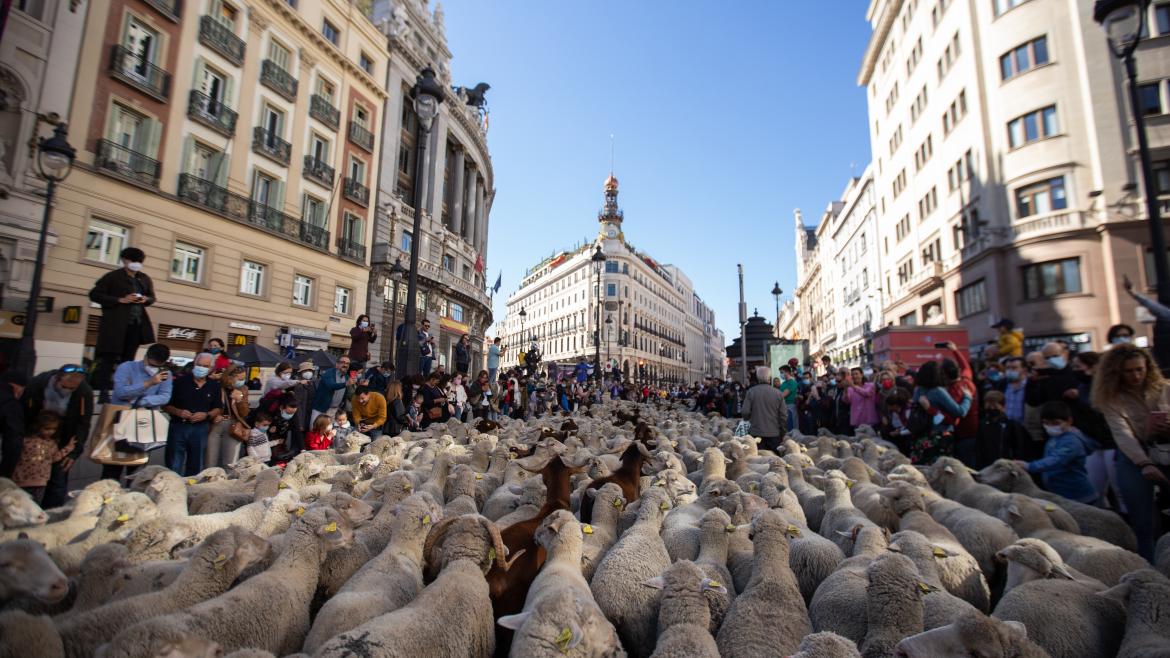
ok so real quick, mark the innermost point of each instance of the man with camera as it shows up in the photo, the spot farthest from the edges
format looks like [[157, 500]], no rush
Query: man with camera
[[124, 295], [65, 392], [146, 384]]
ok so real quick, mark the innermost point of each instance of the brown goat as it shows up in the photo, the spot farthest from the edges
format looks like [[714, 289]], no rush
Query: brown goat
[[628, 476]]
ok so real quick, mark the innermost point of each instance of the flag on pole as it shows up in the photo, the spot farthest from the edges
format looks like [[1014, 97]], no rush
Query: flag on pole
[[479, 264], [499, 281]]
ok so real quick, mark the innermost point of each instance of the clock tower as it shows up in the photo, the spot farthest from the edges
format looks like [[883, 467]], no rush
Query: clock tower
[[610, 216]]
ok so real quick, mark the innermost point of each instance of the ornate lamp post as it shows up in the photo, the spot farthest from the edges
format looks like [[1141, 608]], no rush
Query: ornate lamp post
[[776, 292], [55, 162], [1124, 22], [598, 263], [427, 95], [608, 331]]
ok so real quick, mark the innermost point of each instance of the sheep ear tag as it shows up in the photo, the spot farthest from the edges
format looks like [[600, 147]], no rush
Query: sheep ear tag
[[568, 638], [926, 589], [332, 527], [1049, 508], [219, 561], [492, 554], [586, 529], [479, 476], [793, 531], [617, 502], [426, 519], [282, 485], [123, 518], [939, 553], [713, 586], [300, 512], [190, 482]]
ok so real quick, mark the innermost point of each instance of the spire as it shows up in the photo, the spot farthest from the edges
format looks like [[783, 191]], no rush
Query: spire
[[610, 212]]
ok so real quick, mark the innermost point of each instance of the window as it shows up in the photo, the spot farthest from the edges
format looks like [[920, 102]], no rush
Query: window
[[922, 155], [34, 8], [961, 171], [325, 89], [1032, 126], [466, 272], [1162, 18], [915, 57], [366, 63], [279, 55], [319, 148], [449, 263], [955, 113], [927, 204], [407, 241], [313, 211], [266, 190], [611, 290], [949, 57], [1151, 273], [272, 120], [1024, 58], [1162, 176], [905, 271], [896, 140], [223, 13], [1150, 98], [213, 85], [909, 320], [611, 267], [302, 290], [187, 263], [131, 131], [1002, 6], [932, 252], [353, 228], [252, 278], [330, 32], [1039, 198], [357, 170], [455, 311], [342, 301], [937, 11], [971, 299], [899, 183], [918, 106], [892, 99], [1057, 277], [142, 44], [361, 116], [104, 241]]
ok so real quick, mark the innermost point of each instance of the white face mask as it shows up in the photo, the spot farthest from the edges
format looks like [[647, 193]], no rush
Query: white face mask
[[363, 325], [134, 267], [306, 375], [286, 376], [151, 370], [1053, 430], [1122, 340]]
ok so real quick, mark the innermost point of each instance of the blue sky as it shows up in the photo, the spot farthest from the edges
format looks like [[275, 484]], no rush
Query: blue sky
[[726, 115]]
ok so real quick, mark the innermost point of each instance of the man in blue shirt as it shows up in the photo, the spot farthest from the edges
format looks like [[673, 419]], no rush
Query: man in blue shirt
[[194, 405], [331, 389], [146, 383], [493, 360], [1014, 392]]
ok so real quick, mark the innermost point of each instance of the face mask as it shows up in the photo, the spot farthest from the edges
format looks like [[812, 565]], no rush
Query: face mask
[[306, 375], [134, 267], [1053, 430], [994, 375], [151, 370], [239, 383], [1122, 340], [363, 325], [938, 419], [262, 430], [832, 382], [808, 382], [286, 376], [867, 372], [1057, 362], [343, 424], [200, 371], [214, 350], [286, 415], [1012, 375], [887, 384]]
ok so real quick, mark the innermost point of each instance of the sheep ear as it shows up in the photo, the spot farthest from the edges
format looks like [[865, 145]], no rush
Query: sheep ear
[[1062, 571], [513, 622], [948, 470], [1018, 628], [713, 586], [657, 582], [1014, 510]]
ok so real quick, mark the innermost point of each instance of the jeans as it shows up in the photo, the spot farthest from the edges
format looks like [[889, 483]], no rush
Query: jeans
[[492, 374], [1138, 494], [424, 365], [1102, 468], [221, 448], [185, 445], [792, 417]]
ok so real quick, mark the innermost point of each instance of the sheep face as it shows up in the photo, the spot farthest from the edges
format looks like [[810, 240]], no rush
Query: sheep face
[[19, 510], [187, 645], [26, 569], [970, 635], [560, 528], [1002, 474], [1037, 556]]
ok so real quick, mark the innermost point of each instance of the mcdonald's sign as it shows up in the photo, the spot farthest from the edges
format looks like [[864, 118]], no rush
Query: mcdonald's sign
[[71, 315]]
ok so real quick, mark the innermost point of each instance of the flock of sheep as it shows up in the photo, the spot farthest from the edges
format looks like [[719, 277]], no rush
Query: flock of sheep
[[625, 530]]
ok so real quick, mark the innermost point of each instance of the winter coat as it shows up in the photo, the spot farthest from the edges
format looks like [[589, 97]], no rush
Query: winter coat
[[78, 413], [1063, 466], [115, 315]]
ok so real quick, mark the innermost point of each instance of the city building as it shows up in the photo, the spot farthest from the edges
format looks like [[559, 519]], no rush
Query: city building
[[815, 285], [658, 333], [1005, 165], [235, 142], [456, 191]]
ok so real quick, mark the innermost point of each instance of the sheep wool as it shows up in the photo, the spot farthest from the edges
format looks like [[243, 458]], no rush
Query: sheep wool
[[683, 615], [893, 605]]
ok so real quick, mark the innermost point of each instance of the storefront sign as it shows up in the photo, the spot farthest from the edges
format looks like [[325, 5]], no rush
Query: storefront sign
[[11, 324], [182, 333], [305, 332], [245, 326], [1081, 342], [181, 338], [71, 315]]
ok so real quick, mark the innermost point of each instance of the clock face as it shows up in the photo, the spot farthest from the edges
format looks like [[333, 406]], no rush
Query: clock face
[[611, 231]]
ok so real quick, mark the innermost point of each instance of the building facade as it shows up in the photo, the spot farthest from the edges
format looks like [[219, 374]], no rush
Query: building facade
[[656, 331], [454, 191], [1005, 165], [235, 142]]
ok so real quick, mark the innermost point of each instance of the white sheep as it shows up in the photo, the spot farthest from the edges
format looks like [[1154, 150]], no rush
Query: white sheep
[[841, 517], [81, 518], [715, 527], [23, 635], [601, 534], [940, 606], [839, 604], [1147, 597], [684, 618], [27, 571], [893, 605], [826, 645], [955, 481], [19, 510], [972, 634], [117, 520]]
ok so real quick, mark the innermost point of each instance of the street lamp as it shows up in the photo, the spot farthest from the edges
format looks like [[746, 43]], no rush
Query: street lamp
[[427, 95], [394, 276], [1124, 22], [54, 161], [608, 331], [776, 292], [598, 262]]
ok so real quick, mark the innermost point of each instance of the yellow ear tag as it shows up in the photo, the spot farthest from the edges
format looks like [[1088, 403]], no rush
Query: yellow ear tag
[[219, 560], [753, 487], [664, 506], [332, 527], [107, 500], [282, 486], [713, 584], [587, 529], [190, 481], [730, 527], [123, 518], [938, 552], [426, 519], [1049, 508], [848, 484], [478, 476], [563, 640], [924, 587], [787, 466], [407, 487], [617, 502], [881, 450], [794, 531], [492, 554], [300, 512]]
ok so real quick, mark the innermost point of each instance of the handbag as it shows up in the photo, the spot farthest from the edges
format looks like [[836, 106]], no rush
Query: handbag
[[237, 429], [141, 430], [435, 413], [101, 448]]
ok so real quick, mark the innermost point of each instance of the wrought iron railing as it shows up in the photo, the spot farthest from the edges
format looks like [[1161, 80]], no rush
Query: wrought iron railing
[[277, 79], [317, 170], [211, 112], [221, 39], [139, 73], [240, 208], [356, 192], [360, 136], [266, 143], [314, 235], [172, 9], [121, 161], [351, 250], [322, 110]]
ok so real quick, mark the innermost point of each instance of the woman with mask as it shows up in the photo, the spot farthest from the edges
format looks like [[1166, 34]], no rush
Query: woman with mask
[[222, 449], [360, 337], [281, 379], [215, 349], [1120, 334]]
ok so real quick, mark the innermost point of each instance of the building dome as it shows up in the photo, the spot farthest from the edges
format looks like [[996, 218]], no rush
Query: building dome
[[611, 183]]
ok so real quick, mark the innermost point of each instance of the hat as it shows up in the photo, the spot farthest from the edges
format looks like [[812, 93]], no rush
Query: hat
[[1006, 323], [305, 365]]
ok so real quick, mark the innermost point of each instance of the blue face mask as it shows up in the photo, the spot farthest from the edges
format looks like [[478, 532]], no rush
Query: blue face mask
[[832, 382], [1057, 362], [214, 350], [200, 371], [1012, 375], [994, 375], [938, 419], [239, 383], [286, 415]]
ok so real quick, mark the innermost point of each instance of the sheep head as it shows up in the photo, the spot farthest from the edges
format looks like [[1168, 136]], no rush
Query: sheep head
[[355, 511], [332, 528], [234, 549], [467, 537], [971, 634], [1003, 474], [27, 570], [19, 510], [1036, 556], [567, 620]]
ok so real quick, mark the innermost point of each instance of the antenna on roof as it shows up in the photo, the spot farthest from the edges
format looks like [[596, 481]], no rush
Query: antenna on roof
[[611, 154]]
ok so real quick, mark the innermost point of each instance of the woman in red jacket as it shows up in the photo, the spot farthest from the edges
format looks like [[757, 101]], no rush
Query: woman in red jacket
[[321, 436]]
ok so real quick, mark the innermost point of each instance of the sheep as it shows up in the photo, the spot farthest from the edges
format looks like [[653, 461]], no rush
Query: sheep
[[601, 534], [283, 592], [1092, 556], [715, 527], [893, 606], [1162, 555], [769, 616], [19, 510], [23, 635], [940, 606], [98, 578], [117, 520], [1009, 476], [954, 480], [461, 492], [680, 531], [840, 515], [683, 615], [27, 571], [523, 499], [169, 493], [812, 500], [864, 493], [742, 508], [83, 517], [959, 571], [826, 645], [839, 604], [972, 634], [1033, 559], [453, 612], [617, 584], [210, 572], [626, 476], [1147, 597]]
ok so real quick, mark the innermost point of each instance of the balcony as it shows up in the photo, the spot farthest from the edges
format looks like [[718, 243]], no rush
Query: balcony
[[270, 146], [362, 137], [1056, 222], [351, 250], [278, 80], [171, 9], [239, 208], [322, 110], [927, 278], [317, 170], [221, 39], [356, 192], [211, 113], [139, 73], [130, 165]]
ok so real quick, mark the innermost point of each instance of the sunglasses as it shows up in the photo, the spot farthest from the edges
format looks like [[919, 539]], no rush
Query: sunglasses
[[72, 368]]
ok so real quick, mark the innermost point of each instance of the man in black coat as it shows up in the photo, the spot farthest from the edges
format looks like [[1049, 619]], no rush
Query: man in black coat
[[11, 420], [65, 392], [124, 295]]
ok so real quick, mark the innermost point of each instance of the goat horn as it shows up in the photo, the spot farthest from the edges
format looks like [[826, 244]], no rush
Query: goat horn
[[498, 542]]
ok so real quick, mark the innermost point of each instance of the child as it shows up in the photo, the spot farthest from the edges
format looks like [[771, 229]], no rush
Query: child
[[259, 443], [1000, 436], [39, 453], [414, 413], [321, 436], [341, 429], [1063, 465]]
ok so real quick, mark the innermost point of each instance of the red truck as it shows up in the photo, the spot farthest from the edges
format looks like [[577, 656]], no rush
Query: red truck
[[916, 345]]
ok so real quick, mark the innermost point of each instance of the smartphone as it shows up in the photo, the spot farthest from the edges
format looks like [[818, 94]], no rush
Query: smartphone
[[166, 374], [940, 346]]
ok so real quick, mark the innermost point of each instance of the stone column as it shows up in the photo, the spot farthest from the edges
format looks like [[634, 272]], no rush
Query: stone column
[[480, 214], [469, 202], [456, 209]]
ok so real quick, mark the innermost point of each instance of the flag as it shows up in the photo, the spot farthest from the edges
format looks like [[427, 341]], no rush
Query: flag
[[499, 281], [479, 264]]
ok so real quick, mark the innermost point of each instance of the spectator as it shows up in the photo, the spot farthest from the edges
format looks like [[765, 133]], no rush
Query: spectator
[[283, 432], [1000, 436], [1011, 340], [789, 389], [330, 391], [493, 359], [426, 348], [222, 362], [457, 393], [1129, 390], [1120, 334], [1054, 381], [378, 377], [320, 437], [932, 394], [1014, 390], [1063, 466], [1158, 310], [395, 409], [1101, 463], [260, 443], [11, 420], [360, 338], [369, 411], [281, 379], [414, 415], [958, 378], [834, 413], [39, 453], [463, 355], [342, 428], [194, 406], [862, 397], [436, 408], [763, 407], [124, 295], [222, 448], [65, 392], [894, 425], [146, 384]]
